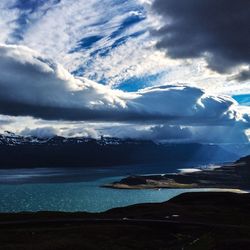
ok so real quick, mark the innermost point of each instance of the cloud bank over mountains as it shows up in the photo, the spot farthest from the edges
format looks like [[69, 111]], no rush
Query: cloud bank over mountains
[[34, 85]]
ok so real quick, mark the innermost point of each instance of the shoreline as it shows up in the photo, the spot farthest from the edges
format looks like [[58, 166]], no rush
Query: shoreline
[[228, 176]]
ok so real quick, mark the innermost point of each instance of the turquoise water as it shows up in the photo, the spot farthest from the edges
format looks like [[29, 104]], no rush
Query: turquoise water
[[46, 189], [83, 196]]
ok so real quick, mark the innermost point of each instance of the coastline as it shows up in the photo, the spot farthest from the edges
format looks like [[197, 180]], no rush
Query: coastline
[[229, 176]]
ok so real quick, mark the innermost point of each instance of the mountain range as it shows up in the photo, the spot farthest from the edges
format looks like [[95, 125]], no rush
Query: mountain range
[[21, 151]]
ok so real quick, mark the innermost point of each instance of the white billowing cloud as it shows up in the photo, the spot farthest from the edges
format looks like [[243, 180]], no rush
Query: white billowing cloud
[[197, 73], [188, 105], [5, 120], [177, 133], [158, 133], [40, 132], [58, 130], [170, 133], [31, 79], [31, 84], [166, 133], [29, 126], [82, 131], [146, 2]]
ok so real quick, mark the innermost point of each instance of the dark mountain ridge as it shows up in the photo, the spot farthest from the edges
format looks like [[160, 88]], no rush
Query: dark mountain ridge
[[18, 151]]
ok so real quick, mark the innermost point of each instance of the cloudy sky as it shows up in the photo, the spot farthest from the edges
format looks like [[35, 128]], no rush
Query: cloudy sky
[[164, 70]]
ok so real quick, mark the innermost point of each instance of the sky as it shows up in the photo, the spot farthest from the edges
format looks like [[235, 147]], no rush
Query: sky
[[164, 70]]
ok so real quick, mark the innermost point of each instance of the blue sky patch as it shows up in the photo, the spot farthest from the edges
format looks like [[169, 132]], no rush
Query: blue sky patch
[[31, 5], [128, 22], [137, 83], [242, 99], [86, 43]]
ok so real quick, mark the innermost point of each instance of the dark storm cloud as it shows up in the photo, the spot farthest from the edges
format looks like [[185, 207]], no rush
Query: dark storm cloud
[[217, 29], [80, 114]]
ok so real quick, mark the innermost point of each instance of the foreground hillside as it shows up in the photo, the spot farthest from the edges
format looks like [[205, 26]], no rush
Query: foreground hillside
[[190, 221], [18, 151]]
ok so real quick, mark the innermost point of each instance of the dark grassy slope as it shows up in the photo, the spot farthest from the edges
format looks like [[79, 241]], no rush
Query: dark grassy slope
[[61, 152], [205, 221]]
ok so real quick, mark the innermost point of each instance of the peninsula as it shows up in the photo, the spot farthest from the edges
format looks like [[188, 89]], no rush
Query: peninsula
[[230, 176]]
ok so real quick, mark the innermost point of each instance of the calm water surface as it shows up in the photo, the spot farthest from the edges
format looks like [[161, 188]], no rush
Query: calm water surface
[[75, 189]]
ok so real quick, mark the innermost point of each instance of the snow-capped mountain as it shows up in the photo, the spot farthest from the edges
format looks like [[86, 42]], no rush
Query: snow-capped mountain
[[11, 139], [20, 151]]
